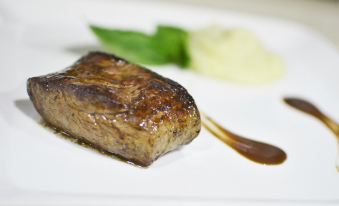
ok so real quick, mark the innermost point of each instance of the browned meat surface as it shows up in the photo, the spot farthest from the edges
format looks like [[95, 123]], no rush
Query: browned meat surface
[[119, 107]]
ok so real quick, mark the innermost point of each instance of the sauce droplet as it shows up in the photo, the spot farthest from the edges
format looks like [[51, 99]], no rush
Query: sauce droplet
[[311, 109], [254, 150]]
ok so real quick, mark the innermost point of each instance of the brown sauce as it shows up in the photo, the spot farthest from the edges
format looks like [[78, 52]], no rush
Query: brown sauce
[[311, 109], [254, 150]]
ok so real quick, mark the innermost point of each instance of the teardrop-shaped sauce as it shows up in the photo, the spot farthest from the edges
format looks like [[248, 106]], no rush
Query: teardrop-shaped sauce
[[254, 150], [311, 109]]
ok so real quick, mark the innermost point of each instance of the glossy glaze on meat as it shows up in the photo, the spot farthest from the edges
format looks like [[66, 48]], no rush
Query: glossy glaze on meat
[[119, 107]]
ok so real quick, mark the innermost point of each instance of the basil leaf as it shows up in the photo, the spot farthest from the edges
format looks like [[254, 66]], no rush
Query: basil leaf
[[167, 45], [136, 47], [171, 41]]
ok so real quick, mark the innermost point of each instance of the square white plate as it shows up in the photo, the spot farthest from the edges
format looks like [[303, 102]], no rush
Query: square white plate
[[38, 167]]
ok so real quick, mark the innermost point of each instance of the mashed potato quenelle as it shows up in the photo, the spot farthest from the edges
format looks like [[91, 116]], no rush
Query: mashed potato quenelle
[[235, 55]]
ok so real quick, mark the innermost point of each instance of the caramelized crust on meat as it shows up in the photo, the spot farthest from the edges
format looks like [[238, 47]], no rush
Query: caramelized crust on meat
[[119, 107]]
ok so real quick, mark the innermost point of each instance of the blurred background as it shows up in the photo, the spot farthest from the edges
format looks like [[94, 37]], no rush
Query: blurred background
[[321, 15]]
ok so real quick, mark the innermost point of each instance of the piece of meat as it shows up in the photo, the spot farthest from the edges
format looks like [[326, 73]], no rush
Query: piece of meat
[[119, 107]]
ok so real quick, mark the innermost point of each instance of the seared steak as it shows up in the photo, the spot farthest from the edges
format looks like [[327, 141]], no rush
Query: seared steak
[[119, 107]]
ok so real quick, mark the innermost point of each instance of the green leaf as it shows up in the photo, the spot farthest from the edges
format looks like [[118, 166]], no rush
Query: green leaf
[[134, 46], [167, 45], [171, 41]]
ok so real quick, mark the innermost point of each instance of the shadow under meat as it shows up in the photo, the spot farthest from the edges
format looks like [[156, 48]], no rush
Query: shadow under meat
[[26, 107], [83, 49]]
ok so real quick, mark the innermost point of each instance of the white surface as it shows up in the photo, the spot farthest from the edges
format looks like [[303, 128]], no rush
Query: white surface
[[37, 167]]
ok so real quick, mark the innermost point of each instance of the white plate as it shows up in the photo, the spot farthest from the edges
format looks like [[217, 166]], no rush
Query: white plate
[[38, 167]]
